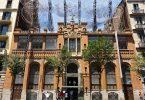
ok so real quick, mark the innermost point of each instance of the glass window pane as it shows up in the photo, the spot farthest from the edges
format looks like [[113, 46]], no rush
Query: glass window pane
[[72, 45], [4, 29], [6, 15], [112, 96], [37, 42], [123, 43], [22, 44], [31, 95], [78, 45], [2, 44], [51, 42]]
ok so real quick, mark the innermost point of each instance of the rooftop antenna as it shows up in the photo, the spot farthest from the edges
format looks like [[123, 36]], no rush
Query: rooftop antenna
[[50, 18], [95, 17], [79, 12]]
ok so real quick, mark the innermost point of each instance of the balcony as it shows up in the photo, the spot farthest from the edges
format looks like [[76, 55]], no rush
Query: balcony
[[125, 53], [36, 53], [5, 20], [141, 44], [140, 26], [136, 12]]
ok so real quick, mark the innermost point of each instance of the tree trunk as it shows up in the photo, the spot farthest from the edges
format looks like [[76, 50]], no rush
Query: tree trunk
[[100, 84], [57, 91], [13, 86]]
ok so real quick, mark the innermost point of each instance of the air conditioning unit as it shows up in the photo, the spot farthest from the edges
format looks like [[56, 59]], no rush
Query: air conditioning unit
[[2, 51]]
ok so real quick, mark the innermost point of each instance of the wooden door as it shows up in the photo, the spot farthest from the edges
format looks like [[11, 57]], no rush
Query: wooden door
[[128, 92]]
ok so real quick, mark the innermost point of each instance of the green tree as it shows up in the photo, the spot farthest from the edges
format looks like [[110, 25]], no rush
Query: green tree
[[98, 53], [15, 64], [59, 62], [139, 65]]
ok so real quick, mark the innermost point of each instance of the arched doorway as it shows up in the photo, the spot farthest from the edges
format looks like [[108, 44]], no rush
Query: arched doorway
[[127, 84], [72, 81]]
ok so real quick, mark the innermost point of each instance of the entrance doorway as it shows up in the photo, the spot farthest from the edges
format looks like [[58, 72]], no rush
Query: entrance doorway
[[72, 82]]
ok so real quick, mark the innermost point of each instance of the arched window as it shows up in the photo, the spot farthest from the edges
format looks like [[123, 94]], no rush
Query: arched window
[[33, 76], [112, 96], [126, 73], [96, 96], [111, 76], [17, 87], [95, 76], [31, 95], [48, 77]]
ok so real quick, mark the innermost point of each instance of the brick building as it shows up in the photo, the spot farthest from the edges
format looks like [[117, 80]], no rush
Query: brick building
[[40, 79]]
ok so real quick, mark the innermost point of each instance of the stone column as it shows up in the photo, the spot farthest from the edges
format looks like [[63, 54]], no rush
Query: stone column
[[25, 80], [41, 80]]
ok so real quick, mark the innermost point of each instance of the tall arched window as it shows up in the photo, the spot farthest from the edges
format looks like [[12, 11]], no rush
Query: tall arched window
[[126, 73], [111, 76], [33, 76], [48, 77], [96, 96], [95, 76], [112, 96]]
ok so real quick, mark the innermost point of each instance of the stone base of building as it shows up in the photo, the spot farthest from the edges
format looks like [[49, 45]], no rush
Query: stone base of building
[[6, 95], [136, 94], [105, 94]]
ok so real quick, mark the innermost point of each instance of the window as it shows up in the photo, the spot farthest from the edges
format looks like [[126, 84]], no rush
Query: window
[[4, 29], [49, 77], [126, 73], [9, 4], [139, 20], [17, 87], [72, 45], [95, 76], [22, 44], [51, 42], [37, 42], [33, 76], [111, 76], [6, 15], [96, 96], [78, 45], [112, 96], [31, 95], [66, 42], [92, 38], [135, 6], [123, 43], [2, 44]]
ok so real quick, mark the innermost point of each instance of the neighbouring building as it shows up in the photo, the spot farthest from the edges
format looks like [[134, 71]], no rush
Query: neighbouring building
[[8, 14], [136, 10]]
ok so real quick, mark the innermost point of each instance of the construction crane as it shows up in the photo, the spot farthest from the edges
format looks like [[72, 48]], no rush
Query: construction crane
[[65, 13], [79, 12], [110, 12], [95, 16], [50, 17]]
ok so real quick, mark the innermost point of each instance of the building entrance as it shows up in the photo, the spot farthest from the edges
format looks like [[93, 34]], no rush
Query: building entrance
[[71, 82]]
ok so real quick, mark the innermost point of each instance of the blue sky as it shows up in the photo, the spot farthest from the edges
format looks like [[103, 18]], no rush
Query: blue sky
[[86, 15]]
